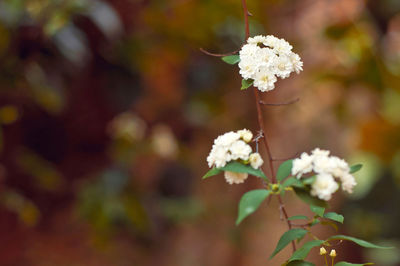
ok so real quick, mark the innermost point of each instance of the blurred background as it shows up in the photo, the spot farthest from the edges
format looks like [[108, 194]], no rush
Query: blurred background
[[108, 110]]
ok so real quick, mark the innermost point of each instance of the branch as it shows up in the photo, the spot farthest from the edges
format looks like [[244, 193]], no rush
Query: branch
[[246, 18], [218, 55], [262, 127], [286, 216], [284, 159]]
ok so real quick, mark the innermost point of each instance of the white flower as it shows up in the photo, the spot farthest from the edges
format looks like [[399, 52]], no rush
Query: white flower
[[327, 169], [235, 178], [249, 50], [296, 62], [271, 41], [240, 150], [245, 134], [302, 165], [283, 67], [255, 160], [247, 68], [319, 152], [230, 146], [266, 58], [263, 63], [323, 164], [264, 80], [282, 47], [227, 139], [219, 156], [339, 167], [256, 39], [348, 182], [324, 186]]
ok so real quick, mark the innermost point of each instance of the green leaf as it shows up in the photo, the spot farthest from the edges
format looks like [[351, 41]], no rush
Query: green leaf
[[250, 202], [355, 168], [344, 263], [359, 242], [317, 210], [242, 168], [334, 217], [310, 180], [298, 217], [237, 168], [246, 83], [331, 224], [284, 170], [212, 172], [302, 252], [305, 196], [314, 222], [292, 181], [231, 59], [288, 237], [300, 263]]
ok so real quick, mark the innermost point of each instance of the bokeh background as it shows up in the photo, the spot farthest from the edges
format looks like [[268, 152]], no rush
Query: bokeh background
[[108, 110]]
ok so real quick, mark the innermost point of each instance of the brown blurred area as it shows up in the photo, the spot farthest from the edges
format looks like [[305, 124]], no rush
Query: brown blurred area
[[108, 110]]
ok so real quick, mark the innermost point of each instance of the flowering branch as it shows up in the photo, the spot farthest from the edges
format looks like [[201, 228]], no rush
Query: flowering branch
[[313, 177], [262, 127]]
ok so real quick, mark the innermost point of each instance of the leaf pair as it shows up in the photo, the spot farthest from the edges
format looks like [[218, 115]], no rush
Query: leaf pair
[[232, 60], [302, 252]]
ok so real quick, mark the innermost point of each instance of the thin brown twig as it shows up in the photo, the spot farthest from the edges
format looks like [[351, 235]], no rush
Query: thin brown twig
[[336, 244], [259, 136], [280, 104], [218, 55], [286, 216], [287, 158], [246, 19]]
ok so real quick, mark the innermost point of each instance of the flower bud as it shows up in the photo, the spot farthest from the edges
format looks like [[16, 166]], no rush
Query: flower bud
[[255, 160], [322, 251], [333, 253]]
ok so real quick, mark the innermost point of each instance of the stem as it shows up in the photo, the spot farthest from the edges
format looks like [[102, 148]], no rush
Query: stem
[[262, 127], [280, 104], [282, 207], [326, 261], [246, 19]]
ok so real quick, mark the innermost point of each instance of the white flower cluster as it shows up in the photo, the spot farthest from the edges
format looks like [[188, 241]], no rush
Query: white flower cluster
[[233, 146], [328, 169], [264, 58]]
